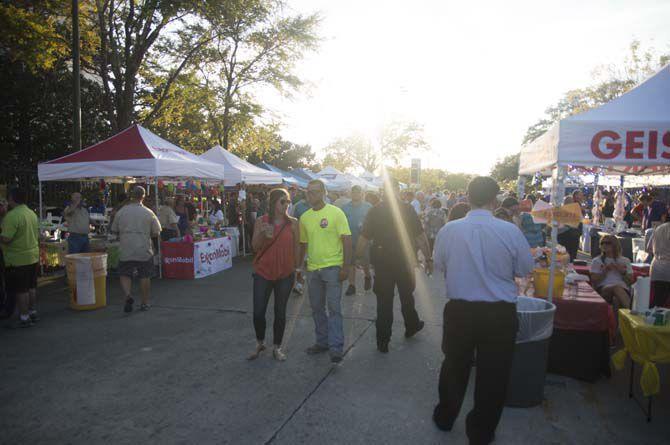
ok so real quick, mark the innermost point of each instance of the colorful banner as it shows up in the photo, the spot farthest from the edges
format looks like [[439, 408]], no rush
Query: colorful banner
[[212, 256]]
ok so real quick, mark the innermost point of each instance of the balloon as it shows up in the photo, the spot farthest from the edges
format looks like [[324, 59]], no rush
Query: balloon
[[170, 188]]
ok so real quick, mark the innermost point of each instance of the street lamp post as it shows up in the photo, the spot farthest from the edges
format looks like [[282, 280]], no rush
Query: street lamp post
[[76, 94]]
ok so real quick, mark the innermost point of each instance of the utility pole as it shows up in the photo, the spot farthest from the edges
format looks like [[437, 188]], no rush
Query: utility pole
[[76, 92]]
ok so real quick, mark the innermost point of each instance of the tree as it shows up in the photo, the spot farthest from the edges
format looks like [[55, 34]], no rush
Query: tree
[[259, 47], [506, 168], [286, 155], [35, 61], [611, 82], [433, 178], [395, 141], [37, 114]]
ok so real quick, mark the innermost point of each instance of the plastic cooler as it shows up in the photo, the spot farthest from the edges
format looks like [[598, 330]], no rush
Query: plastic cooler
[[87, 279], [529, 367], [541, 283]]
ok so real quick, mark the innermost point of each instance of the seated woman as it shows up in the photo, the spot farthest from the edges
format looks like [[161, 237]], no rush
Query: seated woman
[[611, 273]]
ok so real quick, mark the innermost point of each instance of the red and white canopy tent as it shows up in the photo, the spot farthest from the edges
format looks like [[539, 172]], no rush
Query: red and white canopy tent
[[133, 153], [628, 136]]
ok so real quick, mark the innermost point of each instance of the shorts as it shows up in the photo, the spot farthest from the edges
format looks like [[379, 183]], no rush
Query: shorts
[[145, 269], [20, 279]]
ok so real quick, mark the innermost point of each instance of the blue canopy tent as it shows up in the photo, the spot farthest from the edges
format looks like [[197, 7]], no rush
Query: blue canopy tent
[[288, 177]]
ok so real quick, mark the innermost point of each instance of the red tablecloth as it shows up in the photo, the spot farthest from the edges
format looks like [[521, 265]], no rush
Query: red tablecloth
[[583, 270], [588, 312]]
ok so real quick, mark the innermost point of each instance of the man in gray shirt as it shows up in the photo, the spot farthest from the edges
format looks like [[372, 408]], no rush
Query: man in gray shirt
[[78, 221], [136, 225]]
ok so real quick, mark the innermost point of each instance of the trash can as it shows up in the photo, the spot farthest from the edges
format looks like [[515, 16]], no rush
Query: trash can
[[87, 279], [529, 367]]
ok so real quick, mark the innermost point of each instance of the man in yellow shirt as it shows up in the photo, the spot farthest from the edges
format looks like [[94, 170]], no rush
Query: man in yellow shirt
[[20, 247], [326, 238]]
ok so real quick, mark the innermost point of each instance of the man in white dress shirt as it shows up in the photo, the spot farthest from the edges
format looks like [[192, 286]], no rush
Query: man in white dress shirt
[[479, 256]]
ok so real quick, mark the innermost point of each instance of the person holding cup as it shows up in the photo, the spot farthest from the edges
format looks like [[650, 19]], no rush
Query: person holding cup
[[276, 243]]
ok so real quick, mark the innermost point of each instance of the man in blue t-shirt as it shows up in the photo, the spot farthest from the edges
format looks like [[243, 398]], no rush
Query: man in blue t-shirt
[[300, 207], [356, 210]]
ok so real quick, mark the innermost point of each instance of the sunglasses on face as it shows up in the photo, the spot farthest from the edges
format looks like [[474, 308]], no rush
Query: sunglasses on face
[[605, 243], [313, 192]]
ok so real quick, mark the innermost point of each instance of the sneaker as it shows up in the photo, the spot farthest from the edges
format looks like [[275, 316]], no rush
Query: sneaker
[[278, 354], [336, 358], [19, 324], [316, 349], [368, 283], [128, 307], [411, 332], [145, 307], [351, 290], [383, 346]]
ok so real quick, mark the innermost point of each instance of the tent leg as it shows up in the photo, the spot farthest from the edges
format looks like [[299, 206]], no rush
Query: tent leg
[[160, 255], [557, 193], [39, 192], [244, 240]]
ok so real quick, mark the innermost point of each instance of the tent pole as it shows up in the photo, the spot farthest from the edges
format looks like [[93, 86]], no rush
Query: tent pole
[[39, 187], [39, 192], [160, 255], [557, 192]]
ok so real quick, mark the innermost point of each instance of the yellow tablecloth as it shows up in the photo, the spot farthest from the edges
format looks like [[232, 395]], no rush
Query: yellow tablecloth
[[646, 345]]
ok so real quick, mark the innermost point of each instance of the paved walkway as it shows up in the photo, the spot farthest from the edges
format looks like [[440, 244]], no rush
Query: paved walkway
[[178, 374]]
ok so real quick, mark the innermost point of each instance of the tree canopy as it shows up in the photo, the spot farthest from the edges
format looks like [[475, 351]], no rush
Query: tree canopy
[[611, 82], [395, 140], [186, 69]]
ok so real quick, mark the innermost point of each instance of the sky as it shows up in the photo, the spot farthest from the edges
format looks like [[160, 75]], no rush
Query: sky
[[475, 74]]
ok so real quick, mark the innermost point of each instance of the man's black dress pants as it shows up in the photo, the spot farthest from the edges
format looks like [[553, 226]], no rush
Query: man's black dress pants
[[489, 329]]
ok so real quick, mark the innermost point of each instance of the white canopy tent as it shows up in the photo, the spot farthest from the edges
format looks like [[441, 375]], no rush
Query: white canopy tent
[[237, 171], [628, 136], [133, 153], [335, 180]]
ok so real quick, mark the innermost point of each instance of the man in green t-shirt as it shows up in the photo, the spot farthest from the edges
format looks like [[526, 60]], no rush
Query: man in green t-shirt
[[326, 238], [20, 247]]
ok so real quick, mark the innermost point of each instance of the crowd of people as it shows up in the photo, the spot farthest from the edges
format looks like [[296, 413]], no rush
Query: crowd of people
[[479, 241]]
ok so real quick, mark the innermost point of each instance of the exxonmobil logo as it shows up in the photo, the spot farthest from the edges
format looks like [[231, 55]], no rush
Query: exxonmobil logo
[[177, 259], [636, 144], [209, 257]]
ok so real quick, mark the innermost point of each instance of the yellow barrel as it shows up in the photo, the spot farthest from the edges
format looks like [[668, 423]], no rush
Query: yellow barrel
[[541, 283], [87, 279]]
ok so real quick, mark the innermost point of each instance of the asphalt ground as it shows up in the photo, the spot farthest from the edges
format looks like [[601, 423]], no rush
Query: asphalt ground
[[179, 374]]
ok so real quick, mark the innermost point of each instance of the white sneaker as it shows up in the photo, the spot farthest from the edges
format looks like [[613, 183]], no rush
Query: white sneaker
[[278, 354]]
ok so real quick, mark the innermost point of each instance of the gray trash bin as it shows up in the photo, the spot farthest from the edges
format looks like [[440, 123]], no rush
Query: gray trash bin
[[529, 367]]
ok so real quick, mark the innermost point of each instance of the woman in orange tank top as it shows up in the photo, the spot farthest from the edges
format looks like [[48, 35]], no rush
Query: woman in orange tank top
[[275, 241]]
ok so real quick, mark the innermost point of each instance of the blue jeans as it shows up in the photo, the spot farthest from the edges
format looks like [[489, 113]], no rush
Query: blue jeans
[[77, 243], [325, 288]]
